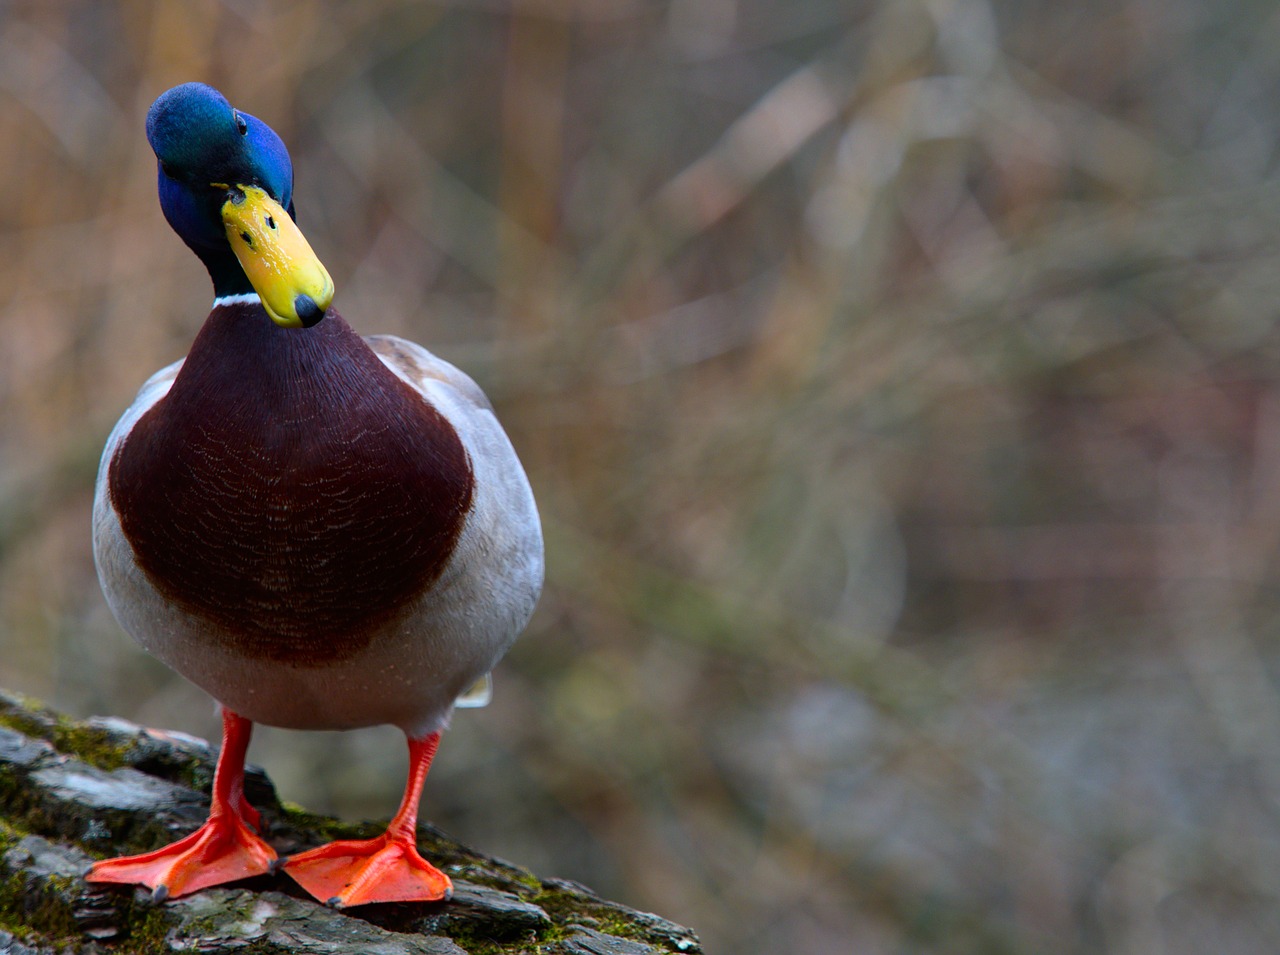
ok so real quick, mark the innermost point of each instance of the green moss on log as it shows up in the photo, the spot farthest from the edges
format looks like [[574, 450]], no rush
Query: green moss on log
[[73, 791]]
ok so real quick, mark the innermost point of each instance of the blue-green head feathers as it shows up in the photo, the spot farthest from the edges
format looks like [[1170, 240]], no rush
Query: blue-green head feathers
[[205, 148], [200, 139]]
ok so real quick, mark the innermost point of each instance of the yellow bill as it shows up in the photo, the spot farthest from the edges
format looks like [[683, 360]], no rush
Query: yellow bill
[[294, 286]]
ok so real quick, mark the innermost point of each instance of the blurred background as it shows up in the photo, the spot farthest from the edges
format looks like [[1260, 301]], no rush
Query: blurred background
[[899, 381]]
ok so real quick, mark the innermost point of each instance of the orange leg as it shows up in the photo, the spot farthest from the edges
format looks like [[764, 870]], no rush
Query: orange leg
[[224, 849], [385, 869]]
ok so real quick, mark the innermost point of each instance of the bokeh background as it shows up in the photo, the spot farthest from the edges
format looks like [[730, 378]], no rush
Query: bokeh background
[[900, 383]]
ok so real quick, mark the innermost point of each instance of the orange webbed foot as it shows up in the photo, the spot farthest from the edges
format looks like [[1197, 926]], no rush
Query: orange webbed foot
[[385, 869], [224, 849]]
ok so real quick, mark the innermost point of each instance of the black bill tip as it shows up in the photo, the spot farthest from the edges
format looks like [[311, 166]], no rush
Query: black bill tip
[[309, 313]]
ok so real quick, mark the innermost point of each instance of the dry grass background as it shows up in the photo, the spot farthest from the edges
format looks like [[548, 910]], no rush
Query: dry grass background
[[899, 382]]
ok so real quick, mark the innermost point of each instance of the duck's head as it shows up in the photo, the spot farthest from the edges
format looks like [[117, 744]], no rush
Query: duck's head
[[226, 187]]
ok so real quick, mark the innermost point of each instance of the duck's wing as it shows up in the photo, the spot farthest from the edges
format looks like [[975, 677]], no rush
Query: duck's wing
[[155, 388], [416, 365], [504, 516]]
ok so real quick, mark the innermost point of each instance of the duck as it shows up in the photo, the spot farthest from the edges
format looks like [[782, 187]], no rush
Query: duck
[[321, 530]]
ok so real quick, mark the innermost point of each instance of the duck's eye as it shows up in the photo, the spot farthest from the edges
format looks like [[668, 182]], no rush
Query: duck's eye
[[242, 124]]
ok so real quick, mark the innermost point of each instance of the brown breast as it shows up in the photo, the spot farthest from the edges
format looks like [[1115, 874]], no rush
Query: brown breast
[[290, 490]]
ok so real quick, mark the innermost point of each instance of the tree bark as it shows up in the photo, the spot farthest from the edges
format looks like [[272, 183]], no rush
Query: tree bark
[[71, 792]]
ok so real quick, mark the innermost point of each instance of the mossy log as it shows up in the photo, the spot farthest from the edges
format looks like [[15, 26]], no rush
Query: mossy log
[[71, 792]]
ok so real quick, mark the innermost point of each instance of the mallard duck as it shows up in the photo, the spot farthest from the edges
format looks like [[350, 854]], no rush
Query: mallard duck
[[321, 530]]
